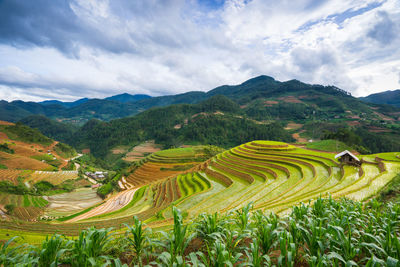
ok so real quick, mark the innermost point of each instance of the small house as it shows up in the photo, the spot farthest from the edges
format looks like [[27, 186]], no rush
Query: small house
[[346, 157]]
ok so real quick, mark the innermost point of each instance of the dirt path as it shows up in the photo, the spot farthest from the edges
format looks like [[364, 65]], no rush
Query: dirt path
[[298, 138], [112, 204]]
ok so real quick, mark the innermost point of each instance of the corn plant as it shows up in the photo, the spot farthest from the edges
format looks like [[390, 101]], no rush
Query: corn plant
[[255, 255], [177, 240], [243, 217], [344, 247], [300, 211], [87, 250], [9, 256], [315, 236], [137, 240], [209, 227], [287, 248], [267, 236], [221, 256], [166, 259], [52, 249]]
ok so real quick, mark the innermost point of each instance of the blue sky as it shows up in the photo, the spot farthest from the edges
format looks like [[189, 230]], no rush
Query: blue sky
[[68, 49]]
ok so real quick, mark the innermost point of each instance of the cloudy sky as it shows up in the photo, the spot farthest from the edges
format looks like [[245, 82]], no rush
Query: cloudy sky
[[68, 49]]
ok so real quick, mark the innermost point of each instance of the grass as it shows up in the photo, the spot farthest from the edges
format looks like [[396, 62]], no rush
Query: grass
[[391, 192], [328, 145]]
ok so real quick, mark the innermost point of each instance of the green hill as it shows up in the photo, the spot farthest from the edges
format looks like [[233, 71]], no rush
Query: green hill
[[218, 121], [262, 97], [387, 97]]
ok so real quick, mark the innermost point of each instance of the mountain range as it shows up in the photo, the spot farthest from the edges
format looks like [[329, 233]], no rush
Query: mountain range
[[259, 108], [253, 92], [386, 97]]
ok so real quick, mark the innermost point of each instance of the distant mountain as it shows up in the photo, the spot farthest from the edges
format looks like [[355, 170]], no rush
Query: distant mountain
[[386, 97], [260, 98], [225, 116], [65, 104], [124, 98]]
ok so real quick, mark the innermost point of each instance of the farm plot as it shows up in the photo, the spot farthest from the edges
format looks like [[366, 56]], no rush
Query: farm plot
[[13, 161], [72, 202], [166, 163], [114, 203], [23, 200], [138, 152], [274, 176], [12, 175], [54, 178], [309, 174]]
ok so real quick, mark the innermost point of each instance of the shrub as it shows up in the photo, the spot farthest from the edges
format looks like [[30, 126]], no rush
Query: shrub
[[10, 208]]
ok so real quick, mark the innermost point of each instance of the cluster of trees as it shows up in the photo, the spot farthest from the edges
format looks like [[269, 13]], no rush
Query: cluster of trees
[[5, 148], [38, 189], [199, 123], [364, 141]]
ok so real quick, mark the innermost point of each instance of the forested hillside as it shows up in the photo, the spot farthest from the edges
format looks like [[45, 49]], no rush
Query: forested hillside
[[227, 115], [387, 97], [216, 121]]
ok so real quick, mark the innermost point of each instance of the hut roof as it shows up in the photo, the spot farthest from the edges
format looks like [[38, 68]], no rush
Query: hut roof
[[348, 153]]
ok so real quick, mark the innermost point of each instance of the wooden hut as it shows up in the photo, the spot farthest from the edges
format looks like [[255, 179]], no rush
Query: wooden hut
[[346, 157]]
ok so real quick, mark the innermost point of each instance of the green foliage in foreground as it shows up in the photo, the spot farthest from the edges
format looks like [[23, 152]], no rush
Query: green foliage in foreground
[[327, 233]]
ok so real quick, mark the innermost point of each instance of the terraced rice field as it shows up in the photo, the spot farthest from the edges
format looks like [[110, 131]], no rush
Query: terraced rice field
[[27, 207], [273, 175], [23, 200], [12, 175], [52, 177], [69, 203], [163, 164]]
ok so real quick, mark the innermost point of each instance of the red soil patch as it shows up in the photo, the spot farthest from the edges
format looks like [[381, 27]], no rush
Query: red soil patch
[[293, 126], [355, 117], [290, 99], [353, 123], [118, 151], [86, 151], [269, 103], [297, 137], [383, 117], [140, 151], [307, 96], [13, 161], [243, 106], [6, 123], [198, 114], [3, 136], [375, 129], [25, 151]]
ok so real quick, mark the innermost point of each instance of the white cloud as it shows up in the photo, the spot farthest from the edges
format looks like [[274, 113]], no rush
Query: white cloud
[[175, 46]]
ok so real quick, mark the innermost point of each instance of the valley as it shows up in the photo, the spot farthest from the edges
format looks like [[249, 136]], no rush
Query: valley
[[240, 153]]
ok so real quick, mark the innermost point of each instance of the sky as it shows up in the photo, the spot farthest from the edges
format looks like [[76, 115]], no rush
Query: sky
[[69, 49]]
